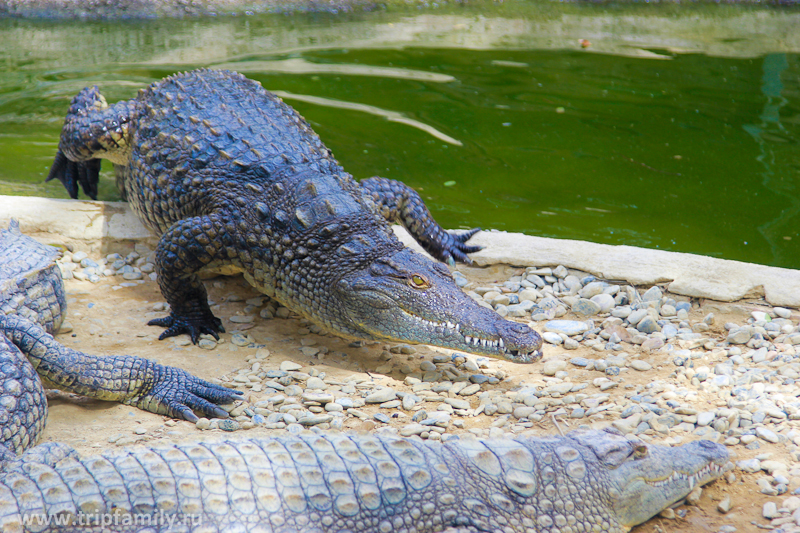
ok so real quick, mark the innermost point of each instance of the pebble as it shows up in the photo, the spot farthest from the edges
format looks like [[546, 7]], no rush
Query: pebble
[[290, 366], [567, 327], [648, 325], [767, 434], [586, 307], [315, 383], [725, 505], [554, 365], [641, 366], [381, 396], [653, 294], [551, 337], [605, 301]]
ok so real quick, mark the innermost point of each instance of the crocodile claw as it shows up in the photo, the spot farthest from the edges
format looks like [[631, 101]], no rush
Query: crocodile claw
[[193, 326], [74, 173], [181, 395], [453, 247]]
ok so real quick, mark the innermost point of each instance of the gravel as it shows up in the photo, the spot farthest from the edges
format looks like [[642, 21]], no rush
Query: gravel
[[734, 382]]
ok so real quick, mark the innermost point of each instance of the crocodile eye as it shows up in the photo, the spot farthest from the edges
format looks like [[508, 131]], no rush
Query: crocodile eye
[[419, 282], [640, 452]]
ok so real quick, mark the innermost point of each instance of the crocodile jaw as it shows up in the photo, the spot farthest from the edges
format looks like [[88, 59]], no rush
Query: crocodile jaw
[[383, 302], [647, 485]]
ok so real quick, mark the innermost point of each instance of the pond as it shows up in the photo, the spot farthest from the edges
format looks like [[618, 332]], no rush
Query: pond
[[644, 125]]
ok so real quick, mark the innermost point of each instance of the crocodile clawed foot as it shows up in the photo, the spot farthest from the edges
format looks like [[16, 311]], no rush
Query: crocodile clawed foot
[[193, 326], [457, 249], [74, 173], [181, 395]]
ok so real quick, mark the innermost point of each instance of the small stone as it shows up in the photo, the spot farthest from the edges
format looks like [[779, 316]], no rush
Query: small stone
[[652, 343], [641, 366], [314, 420], [203, 423], [725, 505], [567, 327], [290, 366], [586, 307], [469, 390], [653, 294], [381, 396], [552, 366], [705, 418], [605, 301], [769, 510], [314, 383], [782, 312], [240, 340], [668, 310], [228, 425], [636, 316], [792, 503], [552, 338], [749, 465], [739, 336], [427, 366], [694, 497], [207, 344], [571, 344], [767, 435], [648, 325]]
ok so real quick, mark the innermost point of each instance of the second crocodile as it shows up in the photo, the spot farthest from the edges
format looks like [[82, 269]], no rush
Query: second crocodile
[[227, 173], [32, 305]]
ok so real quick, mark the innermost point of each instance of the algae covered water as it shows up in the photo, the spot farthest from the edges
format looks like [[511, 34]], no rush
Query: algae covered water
[[660, 128]]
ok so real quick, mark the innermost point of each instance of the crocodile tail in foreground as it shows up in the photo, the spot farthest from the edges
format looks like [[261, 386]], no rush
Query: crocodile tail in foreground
[[333, 482]]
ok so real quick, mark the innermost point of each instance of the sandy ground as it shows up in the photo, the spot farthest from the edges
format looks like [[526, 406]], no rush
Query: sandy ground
[[108, 321]]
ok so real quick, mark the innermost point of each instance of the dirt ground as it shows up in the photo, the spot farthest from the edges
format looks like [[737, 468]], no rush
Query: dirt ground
[[108, 321]]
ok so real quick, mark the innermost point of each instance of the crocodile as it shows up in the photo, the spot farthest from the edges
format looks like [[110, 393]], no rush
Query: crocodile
[[32, 307], [228, 174], [327, 482]]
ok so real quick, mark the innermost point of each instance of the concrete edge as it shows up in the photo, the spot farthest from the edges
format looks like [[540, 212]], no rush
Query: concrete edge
[[100, 226]]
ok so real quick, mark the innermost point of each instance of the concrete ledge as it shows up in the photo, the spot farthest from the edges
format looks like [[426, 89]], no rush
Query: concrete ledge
[[100, 226]]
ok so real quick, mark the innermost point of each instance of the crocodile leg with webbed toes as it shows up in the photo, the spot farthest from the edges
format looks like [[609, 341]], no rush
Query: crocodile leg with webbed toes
[[32, 306]]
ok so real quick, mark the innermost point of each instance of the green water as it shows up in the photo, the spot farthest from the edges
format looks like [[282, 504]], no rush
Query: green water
[[665, 133]]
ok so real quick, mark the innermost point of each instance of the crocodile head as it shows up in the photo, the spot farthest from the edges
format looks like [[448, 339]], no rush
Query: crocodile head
[[409, 298], [645, 479]]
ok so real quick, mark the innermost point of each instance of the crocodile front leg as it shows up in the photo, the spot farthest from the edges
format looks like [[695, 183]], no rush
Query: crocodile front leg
[[186, 247], [126, 379], [92, 130], [399, 203]]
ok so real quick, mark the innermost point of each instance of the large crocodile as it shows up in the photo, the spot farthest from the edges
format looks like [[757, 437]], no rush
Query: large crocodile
[[586, 481], [227, 173], [32, 306]]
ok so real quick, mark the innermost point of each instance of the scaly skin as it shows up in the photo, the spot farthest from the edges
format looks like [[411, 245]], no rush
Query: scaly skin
[[32, 304], [227, 173], [332, 482]]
